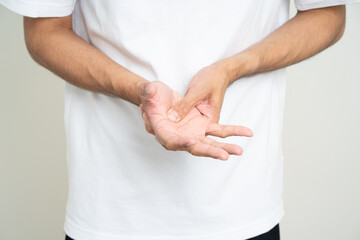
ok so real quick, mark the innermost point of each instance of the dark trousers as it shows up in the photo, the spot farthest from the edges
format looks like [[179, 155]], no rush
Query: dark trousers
[[273, 234]]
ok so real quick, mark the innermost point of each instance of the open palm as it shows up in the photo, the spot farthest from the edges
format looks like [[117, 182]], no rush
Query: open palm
[[189, 134]]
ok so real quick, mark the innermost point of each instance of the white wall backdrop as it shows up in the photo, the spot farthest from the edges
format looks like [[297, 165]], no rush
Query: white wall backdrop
[[321, 142]]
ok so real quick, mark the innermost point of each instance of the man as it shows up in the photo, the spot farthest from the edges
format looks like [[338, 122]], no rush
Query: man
[[179, 67]]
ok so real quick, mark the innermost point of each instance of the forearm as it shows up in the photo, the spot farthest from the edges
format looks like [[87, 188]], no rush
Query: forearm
[[301, 37], [64, 53]]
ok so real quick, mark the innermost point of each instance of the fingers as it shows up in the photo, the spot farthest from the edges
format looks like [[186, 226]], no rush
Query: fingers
[[207, 150], [141, 89], [228, 147], [223, 131], [176, 144], [207, 147], [141, 108], [146, 120], [147, 124], [147, 90], [181, 108]]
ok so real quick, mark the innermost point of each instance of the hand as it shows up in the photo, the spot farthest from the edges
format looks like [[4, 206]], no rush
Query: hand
[[206, 92], [188, 134]]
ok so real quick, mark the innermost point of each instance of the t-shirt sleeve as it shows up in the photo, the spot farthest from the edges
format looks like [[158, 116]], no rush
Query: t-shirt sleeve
[[304, 5], [40, 8]]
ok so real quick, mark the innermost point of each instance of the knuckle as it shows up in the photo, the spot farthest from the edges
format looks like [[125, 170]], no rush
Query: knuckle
[[171, 145], [222, 131], [193, 151], [149, 130]]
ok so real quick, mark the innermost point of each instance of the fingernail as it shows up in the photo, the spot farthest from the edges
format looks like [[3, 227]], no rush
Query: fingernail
[[173, 116]]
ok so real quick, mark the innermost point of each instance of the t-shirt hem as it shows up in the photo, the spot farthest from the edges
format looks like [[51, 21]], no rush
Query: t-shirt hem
[[322, 4], [43, 9], [251, 230]]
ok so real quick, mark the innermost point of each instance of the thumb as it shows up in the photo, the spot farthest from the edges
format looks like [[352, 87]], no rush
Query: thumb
[[181, 108], [147, 90]]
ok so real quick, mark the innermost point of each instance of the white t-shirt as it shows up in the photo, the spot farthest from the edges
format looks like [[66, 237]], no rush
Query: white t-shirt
[[122, 184]]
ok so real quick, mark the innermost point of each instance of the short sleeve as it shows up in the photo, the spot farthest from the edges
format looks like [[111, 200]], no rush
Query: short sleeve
[[303, 5], [40, 8]]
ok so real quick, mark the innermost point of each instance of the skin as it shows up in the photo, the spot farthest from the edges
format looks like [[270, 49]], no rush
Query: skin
[[189, 134], [303, 36], [52, 43]]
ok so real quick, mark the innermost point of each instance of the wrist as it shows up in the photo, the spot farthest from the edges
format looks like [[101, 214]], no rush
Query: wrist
[[222, 70], [138, 82], [239, 65], [125, 84]]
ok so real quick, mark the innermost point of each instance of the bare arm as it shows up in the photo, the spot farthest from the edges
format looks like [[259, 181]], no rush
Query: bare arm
[[53, 44], [303, 36]]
